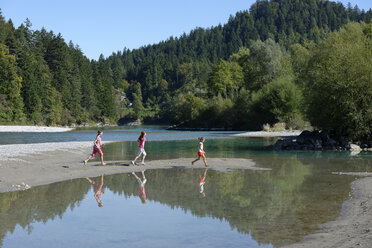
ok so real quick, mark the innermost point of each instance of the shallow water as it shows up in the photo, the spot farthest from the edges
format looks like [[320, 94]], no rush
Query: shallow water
[[122, 133], [240, 208]]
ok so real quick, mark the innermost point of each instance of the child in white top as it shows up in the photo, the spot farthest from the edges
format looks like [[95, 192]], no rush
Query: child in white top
[[201, 153]]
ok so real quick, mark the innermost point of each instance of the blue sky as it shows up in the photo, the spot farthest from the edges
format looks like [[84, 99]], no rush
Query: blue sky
[[108, 26]]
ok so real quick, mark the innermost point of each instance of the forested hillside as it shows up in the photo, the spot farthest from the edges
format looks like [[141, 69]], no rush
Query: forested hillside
[[253, 70]]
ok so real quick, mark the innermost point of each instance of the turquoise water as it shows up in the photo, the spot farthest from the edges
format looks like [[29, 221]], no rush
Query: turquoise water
[[124, 133], [240, 208]]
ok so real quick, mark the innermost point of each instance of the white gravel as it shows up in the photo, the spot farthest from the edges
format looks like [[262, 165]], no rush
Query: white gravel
[[42, 129], [269, 134], [14, 151]]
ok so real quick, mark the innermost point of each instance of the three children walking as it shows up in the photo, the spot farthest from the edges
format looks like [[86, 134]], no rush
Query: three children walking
[[141, 152]]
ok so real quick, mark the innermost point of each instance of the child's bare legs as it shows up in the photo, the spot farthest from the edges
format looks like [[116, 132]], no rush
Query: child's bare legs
[[143, 175], [96, 150], [143, 159], [204, 160], [102, 163], [135, 175], [86, 160], [192, 163], [134, 160], [91, 181]]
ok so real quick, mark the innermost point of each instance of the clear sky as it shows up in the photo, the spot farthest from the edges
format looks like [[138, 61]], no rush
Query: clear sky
[[108, 26]]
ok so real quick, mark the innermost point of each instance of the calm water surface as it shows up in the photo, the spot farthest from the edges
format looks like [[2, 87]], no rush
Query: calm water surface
[[240, 208], [123, 133]]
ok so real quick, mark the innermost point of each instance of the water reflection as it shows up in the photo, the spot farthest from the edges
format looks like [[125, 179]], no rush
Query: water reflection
[[276, 207], [141, 185], [97, 188], [201, 182]]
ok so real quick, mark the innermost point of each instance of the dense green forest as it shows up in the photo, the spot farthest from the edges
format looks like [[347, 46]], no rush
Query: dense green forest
[[290, 61]]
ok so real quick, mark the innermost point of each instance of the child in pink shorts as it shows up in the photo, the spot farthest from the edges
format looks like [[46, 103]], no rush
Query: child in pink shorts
[[96, 148]]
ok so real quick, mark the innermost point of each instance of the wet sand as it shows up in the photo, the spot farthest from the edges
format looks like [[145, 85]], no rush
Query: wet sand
[[41, 164], [353, 228], [36, 165]]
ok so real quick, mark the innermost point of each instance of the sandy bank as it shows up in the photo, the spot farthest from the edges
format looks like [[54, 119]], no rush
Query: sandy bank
[[268, 134], [38, 164], [353, 228], [19, 152], [42, 129]]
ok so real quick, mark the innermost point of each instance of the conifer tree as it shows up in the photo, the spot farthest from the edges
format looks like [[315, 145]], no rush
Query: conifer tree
[[10, 87]]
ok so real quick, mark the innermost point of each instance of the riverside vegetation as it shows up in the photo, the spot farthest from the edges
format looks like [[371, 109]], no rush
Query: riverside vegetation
[[288, 61]]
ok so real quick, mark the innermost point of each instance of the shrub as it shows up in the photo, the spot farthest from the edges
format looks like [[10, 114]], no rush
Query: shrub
[[339, 82]]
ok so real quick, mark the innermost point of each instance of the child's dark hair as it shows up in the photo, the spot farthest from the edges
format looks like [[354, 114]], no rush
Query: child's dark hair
[[99, 132], [142, 135]]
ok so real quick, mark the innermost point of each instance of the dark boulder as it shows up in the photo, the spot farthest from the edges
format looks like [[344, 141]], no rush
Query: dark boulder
[[314, 140]]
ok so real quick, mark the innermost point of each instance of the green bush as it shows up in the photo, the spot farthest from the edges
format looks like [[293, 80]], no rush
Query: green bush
[[278, 101], [339, 82]]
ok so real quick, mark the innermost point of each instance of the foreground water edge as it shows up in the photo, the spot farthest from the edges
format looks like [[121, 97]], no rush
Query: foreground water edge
[[276, 207]]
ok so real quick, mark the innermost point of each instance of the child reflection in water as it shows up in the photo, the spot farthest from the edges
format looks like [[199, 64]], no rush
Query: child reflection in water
[[141, 184], [201, 182], [97, 190]]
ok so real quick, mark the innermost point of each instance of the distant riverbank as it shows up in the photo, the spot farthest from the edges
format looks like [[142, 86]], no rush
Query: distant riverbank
[[268, 134], [34, 129]]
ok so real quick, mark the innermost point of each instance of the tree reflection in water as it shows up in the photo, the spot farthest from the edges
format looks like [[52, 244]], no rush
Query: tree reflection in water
[[275, 207]]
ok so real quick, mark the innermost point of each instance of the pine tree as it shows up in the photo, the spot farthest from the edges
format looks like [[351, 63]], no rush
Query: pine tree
[[10, 87]]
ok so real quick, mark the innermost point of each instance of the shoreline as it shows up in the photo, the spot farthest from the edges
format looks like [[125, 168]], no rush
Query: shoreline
[[20, 152], [34, 167], [353, 227], [262, 134], [33, 129], [38, 165]]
